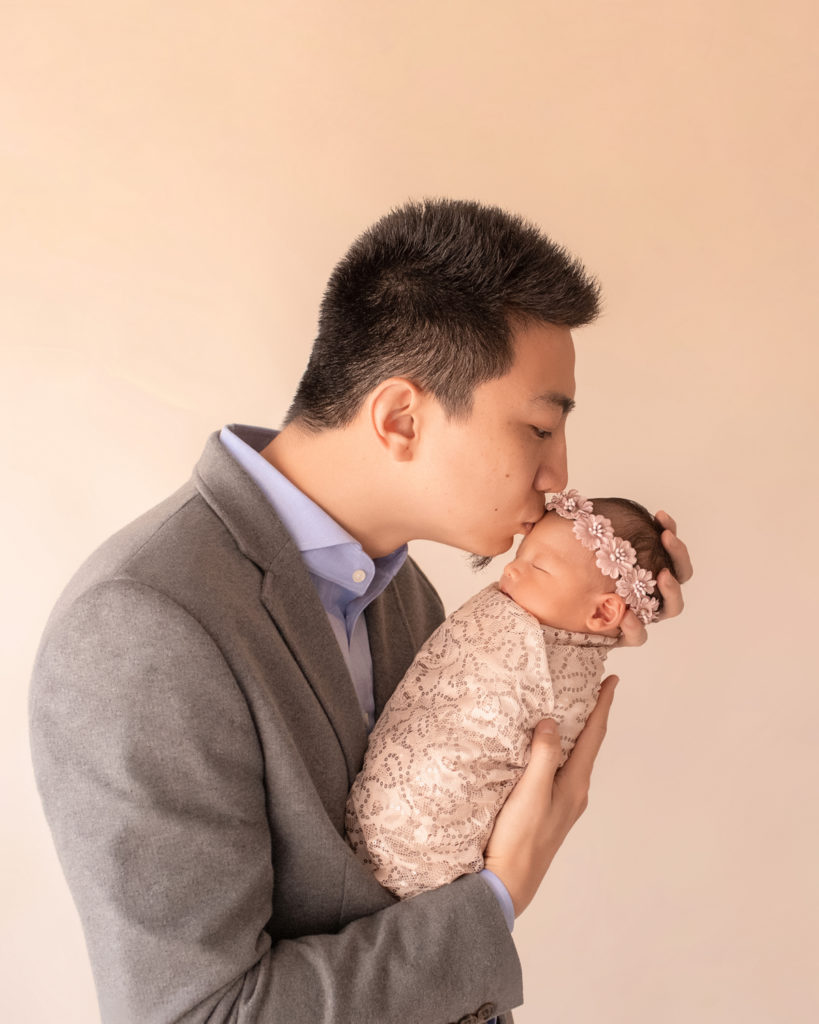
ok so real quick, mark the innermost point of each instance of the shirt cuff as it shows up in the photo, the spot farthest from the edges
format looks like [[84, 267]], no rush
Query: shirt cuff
[[502, 896]]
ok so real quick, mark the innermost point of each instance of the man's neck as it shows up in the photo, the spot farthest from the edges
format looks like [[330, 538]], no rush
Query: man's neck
[[337, 470]]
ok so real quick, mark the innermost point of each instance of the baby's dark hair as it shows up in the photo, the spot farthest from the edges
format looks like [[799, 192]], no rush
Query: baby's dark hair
[[640, 528]]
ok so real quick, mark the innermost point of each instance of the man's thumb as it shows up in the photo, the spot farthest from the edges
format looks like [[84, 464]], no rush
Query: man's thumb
[[544, 757]]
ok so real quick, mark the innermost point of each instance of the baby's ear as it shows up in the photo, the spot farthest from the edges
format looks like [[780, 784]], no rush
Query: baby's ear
[[607, 614]]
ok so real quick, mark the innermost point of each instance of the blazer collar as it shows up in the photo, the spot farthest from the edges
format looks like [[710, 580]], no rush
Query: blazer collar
[[287, 593]]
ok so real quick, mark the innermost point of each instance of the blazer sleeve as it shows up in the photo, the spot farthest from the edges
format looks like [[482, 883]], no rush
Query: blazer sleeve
[[152, 777]]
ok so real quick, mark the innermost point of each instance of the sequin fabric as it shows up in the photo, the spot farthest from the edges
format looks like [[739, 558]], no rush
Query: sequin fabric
[[454, 738]]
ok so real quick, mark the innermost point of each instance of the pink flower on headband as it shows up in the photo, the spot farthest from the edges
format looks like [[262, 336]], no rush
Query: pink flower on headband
[[637, 581], [591, 531], [615, 557], [635, 586], [647, 610], [569, 503]]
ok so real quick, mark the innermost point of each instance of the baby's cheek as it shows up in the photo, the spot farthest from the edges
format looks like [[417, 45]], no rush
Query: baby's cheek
[[534, 596]]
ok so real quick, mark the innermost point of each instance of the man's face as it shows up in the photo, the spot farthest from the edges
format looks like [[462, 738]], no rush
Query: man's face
[[553, 576], [487, 474]]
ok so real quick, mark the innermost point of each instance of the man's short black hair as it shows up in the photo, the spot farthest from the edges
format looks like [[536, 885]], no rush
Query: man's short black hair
[[433, 292]]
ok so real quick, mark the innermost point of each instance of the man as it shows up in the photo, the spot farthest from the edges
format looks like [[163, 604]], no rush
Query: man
[[204, 687]]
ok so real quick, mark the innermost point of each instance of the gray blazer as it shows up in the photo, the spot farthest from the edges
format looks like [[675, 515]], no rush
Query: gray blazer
[[194, 734]]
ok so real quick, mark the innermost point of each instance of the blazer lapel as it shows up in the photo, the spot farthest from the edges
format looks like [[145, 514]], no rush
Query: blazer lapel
[[288, 593], [293, 604], [393, 644]]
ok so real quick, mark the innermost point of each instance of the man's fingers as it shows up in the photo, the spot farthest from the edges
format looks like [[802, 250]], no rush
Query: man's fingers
[[666, 521], [533, 791], [683, 569], [530, 799], [544, 755], [544, 804], [634, 632], [581, 761], [672, 595]]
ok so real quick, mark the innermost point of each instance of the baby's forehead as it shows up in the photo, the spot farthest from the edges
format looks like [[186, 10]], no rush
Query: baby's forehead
[[553, 531], [552, 522]]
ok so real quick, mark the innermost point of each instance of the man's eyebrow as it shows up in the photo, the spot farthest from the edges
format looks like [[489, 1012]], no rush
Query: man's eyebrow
[[555, 398]]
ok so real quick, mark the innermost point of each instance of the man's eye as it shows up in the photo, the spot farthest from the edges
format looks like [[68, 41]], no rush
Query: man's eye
[[541, 434]]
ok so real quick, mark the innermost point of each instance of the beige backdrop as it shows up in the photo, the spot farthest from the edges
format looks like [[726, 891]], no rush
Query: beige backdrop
[[177, 182]]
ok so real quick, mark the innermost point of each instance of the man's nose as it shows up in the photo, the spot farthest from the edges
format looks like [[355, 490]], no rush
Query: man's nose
[[553, 472]]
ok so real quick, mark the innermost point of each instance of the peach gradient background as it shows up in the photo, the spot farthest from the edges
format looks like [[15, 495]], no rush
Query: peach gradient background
[[177, 181]]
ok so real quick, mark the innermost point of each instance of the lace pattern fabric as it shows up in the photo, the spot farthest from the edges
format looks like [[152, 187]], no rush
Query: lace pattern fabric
[[454, 738]]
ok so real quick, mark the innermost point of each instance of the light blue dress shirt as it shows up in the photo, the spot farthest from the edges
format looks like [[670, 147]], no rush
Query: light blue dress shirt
[[346, 578]]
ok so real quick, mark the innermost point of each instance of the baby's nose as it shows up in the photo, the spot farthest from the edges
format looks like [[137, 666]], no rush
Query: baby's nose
[[511, 571]]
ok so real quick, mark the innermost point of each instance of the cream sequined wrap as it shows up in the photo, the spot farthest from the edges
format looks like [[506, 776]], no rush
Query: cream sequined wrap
[[455, 735]]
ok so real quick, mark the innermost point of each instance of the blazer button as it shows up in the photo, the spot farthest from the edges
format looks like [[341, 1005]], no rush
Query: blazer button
[[487, 1012]]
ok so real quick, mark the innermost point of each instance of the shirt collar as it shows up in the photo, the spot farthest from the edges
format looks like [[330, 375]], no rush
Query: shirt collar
[[327, 548]]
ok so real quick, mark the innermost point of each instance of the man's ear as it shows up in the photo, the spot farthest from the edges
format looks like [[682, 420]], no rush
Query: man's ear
[[607, 614], [394, 416]]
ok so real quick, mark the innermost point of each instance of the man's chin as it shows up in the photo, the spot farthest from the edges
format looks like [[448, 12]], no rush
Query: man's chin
[[479, 562]]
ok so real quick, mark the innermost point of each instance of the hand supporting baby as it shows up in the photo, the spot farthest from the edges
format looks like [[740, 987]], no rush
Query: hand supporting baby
[[545, 803]]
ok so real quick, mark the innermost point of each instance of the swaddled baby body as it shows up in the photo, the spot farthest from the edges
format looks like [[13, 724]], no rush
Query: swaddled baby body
[[455, 736]]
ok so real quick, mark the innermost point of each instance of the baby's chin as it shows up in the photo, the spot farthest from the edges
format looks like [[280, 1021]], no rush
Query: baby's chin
[[503, 588]]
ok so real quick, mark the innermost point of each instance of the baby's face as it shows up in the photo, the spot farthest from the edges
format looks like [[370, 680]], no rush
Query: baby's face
[[553, 576]]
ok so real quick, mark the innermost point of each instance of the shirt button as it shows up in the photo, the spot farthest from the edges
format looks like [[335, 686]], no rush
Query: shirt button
[[359, 576]]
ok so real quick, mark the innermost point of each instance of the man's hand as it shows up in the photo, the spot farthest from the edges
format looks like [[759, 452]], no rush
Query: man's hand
[[544, 804], [634, 632]]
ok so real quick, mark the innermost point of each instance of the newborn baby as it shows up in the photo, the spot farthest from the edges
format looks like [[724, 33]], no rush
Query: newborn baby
[[454, 737]]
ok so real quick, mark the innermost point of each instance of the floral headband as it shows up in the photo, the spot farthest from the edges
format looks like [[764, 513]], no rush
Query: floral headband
[[615, 556]]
